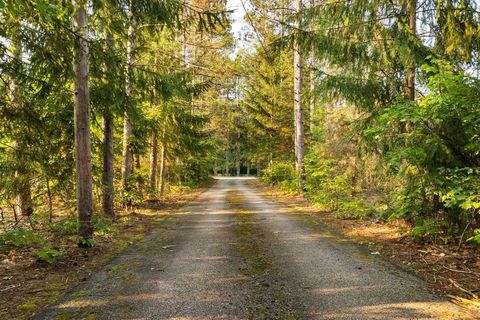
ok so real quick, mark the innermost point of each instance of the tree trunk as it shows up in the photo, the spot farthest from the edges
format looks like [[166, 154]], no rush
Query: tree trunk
[[312, 77], [161, 175], [239, 166], [227, 166], [50, 202], [82, 125], [108, 190], [237, 124], [129, 90], [107, 170], [137, 161], [410, 72], [153, 161], [248, 170], [298, 105]]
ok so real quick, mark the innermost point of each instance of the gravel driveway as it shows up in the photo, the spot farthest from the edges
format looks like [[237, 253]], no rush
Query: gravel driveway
[[233, 254]]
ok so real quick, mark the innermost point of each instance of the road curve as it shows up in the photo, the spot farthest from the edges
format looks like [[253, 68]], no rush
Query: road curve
[[232, 254]]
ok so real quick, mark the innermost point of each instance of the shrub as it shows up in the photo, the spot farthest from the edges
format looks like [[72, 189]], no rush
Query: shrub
[[354, 209], [325, 185], [282, 175]]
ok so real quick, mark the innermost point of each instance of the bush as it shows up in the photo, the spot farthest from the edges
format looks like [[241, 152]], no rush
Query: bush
[[354, 209], [282, 175], [325, 185], [428, 228]]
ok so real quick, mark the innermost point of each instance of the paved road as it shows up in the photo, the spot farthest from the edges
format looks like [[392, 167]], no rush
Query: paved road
[[233, 254]]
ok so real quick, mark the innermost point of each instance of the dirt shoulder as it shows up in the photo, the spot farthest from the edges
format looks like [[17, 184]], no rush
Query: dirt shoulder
[[28, 285], [448, 270]]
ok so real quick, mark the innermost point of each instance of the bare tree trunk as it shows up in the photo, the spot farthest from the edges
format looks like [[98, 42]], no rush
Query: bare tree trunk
[[82, 125], [153, 161], [108, 190], [107, 170], [312, 77], [410, 72], [239, 166], [298, 105], [137, 161], [50, 202], [127, 125], [227, 166], [248, 170], [161, 175], [24, 199], [237, 123]]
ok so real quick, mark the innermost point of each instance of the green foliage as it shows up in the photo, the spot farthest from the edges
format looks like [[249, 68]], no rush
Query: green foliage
[[282, 175], [20, 238], [354, 208], [431, 146], [86, 243], [476, 237], [65, 227], [48, 254], [428, 228], [326, 184]]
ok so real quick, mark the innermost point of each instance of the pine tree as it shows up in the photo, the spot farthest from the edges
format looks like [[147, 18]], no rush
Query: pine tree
[[82, 124]]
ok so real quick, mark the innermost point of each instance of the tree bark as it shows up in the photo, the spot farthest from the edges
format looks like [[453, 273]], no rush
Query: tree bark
[[161, 175], [410, 72], [237, 125], [227, 166], [298, 105], [107, 170], [50, 202], [312, 77], [153, 161], [239, 165], [82, 125], [129, 90], [108, 190]]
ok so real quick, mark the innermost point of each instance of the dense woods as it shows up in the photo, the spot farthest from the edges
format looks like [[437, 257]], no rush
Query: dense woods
[[367, 108], [103, 97], [390, 99]]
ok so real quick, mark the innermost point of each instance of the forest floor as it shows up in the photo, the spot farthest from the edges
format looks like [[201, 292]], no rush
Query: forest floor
[[447, 268], [28, 285], [234, 254]]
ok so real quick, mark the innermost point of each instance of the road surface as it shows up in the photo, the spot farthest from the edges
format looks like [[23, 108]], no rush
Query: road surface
[[232, 254]]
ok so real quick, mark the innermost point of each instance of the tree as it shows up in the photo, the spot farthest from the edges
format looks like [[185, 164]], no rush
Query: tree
[[82, 124], [298, 97], [129, 89]]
